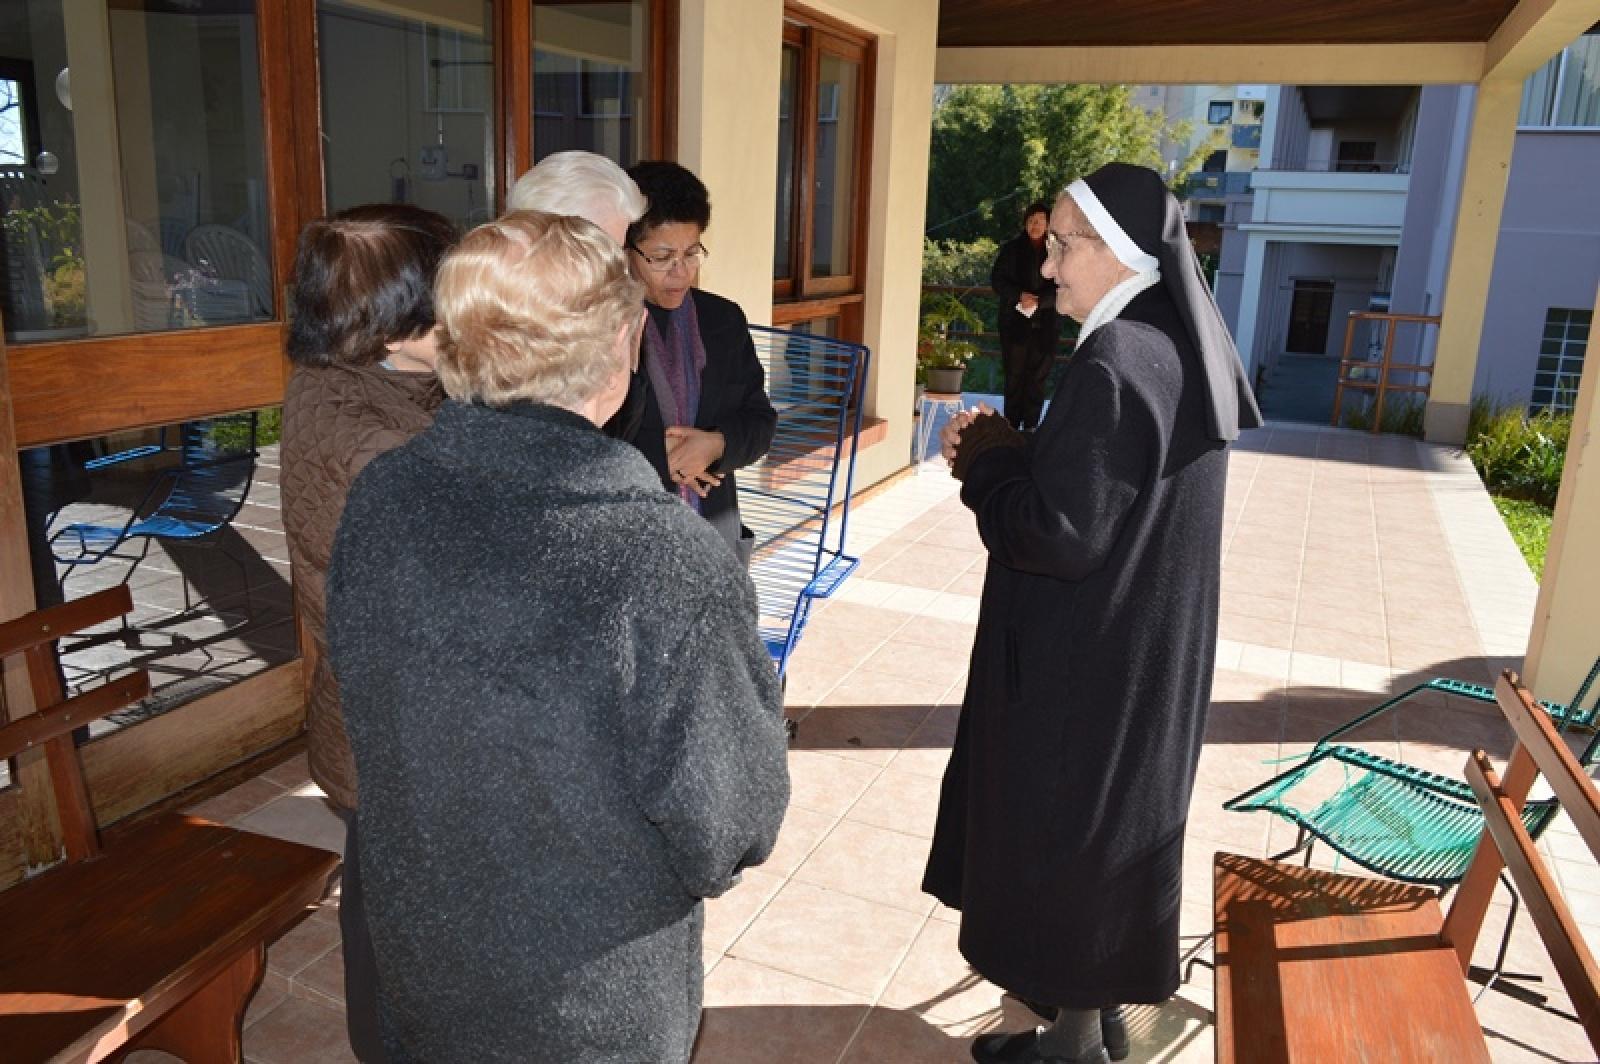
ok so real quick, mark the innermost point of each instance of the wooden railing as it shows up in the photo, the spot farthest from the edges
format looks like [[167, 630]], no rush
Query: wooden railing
[[1380, 383]]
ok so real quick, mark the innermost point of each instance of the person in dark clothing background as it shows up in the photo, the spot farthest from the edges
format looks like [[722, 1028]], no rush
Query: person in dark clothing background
[[697, 407], [1062, 813], [1029, 324]]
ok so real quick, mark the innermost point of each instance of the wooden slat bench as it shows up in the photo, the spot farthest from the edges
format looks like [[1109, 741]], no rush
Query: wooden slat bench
[[1315, 966], [155, 942]]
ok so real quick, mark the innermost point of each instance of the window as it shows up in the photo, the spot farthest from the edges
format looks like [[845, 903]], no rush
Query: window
[[1357, 157], [135, 201], [1220, 112], [596, 78], [1216, 162], [1555, 381], [407, 110], [1566, 90], [824, 102]]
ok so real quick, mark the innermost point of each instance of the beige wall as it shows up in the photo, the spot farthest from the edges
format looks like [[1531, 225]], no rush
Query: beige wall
[[728, 134]]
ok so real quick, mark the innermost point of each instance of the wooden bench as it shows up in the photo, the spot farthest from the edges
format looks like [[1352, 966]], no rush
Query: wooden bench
[[156, 941], [1316, 966]]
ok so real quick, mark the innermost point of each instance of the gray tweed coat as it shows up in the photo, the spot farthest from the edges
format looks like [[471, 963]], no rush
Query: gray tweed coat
[[568, 734]]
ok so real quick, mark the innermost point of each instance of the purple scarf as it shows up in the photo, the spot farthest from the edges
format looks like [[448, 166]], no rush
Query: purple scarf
[[675, 362]]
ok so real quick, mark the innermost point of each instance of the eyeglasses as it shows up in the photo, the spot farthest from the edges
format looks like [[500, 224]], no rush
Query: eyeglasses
[[664, 261], [1056, 244]]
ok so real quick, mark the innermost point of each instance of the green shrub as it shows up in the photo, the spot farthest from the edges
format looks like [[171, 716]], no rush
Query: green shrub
[[1401, 417], [1519, 456]]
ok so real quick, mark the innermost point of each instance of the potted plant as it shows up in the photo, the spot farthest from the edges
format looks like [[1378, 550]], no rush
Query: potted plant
[[942, 358]]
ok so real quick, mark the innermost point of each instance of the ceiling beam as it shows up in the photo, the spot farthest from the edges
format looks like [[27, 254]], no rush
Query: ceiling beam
[[1288, 64], [1533, 32]]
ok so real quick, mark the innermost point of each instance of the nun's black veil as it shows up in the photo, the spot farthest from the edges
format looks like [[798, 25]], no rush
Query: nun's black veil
[[1138, 201]]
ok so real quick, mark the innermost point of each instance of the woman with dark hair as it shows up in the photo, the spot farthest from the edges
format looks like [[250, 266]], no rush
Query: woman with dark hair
[[698, 406], [364, 342], [1029, 324]]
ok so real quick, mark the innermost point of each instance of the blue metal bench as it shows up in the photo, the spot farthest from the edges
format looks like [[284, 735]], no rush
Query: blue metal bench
[[796, 500], [190, 502]]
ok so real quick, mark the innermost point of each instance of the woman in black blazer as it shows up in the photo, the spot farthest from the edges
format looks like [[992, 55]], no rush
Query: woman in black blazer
[[1029, 325], [698, 406]]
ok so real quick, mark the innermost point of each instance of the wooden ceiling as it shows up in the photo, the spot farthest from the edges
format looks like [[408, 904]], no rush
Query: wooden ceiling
[[1058, 23]]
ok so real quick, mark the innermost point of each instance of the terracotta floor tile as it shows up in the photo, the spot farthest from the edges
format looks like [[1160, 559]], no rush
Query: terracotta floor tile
[[1373, 649], [1256, 631], [242, 800], [758, 1015], [307, 941], [860, 730], [801, 832], [936, 980], [900, 800], [729, 915], [876, 689], [917, 661], [871, 863], [864, 944], [302, 818], [824, 783], [299, 1032], [322, 981]]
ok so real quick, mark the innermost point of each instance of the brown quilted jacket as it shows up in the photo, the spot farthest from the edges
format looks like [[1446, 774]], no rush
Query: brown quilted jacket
[[335, 421]]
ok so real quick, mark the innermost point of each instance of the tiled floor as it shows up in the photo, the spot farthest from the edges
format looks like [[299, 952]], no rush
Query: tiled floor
[[1350, 564]]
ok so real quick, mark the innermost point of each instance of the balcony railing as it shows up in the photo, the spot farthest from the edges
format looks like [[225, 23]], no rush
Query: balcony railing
[[1217, 185], [1247, 136]]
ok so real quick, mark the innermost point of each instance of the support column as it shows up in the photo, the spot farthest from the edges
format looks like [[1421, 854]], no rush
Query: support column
[[728, 60], [1477, 231], [1566, 619], [1244, 331]]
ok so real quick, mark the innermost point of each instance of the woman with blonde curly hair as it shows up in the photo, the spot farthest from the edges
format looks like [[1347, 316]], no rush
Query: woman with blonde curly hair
[[567, 730]]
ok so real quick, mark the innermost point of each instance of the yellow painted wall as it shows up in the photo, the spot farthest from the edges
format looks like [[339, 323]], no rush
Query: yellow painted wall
[[728, 134]]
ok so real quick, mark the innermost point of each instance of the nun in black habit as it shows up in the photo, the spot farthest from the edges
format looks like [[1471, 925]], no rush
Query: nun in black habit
[[1061, 819]]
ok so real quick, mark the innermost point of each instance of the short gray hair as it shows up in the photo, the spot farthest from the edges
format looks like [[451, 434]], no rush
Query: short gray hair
[[580, 184]]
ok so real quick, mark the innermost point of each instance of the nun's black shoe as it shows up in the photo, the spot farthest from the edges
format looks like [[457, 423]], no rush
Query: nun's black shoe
[[1022, 1047], [1113, 1025]]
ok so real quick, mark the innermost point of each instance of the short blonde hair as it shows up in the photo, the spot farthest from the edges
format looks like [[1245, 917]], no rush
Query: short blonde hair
[[531, 305]]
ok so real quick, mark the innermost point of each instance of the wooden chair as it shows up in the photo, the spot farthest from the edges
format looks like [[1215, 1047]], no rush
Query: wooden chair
[[155, 942], [1317, 966]]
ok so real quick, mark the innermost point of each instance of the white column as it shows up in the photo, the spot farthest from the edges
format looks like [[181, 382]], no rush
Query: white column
[[1244, 333]]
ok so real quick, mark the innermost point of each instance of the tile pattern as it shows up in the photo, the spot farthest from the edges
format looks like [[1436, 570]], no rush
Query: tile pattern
[[1351, 564]]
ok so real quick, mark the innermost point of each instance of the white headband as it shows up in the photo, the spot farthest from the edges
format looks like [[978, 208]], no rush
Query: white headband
[[1121, 244]]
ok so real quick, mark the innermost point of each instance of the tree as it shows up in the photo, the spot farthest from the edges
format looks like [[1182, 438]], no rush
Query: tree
[[997, 148]]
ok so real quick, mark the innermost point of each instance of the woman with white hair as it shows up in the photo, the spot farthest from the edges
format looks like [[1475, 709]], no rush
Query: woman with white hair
[[567, 729], [583, 185]]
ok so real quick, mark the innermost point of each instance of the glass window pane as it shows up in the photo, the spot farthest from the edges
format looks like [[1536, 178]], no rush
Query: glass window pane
[[1579, 103], [132, 187], [783, 247], [408, 106], [188, 517], [833, 211], [591, 79]]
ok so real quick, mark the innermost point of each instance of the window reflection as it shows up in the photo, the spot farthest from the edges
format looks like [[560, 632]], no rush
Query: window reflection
[[132, 174], [408, 106], [783, 247], [833, 212], [188, 517], [591, 78]]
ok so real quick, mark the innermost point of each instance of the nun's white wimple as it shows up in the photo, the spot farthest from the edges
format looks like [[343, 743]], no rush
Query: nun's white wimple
[[1121, 244]]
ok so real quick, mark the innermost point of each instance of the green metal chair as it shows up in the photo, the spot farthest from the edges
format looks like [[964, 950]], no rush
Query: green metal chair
[[1395, 819]]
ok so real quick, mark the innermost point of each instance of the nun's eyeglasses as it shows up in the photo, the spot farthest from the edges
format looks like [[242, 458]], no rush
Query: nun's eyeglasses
[[1055, 244]]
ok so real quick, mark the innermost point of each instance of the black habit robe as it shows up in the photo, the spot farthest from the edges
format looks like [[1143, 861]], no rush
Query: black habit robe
[[1061, 820]]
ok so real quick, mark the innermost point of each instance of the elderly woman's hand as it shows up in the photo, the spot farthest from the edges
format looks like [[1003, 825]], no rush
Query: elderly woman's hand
[[691, 453], [950, 435]]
